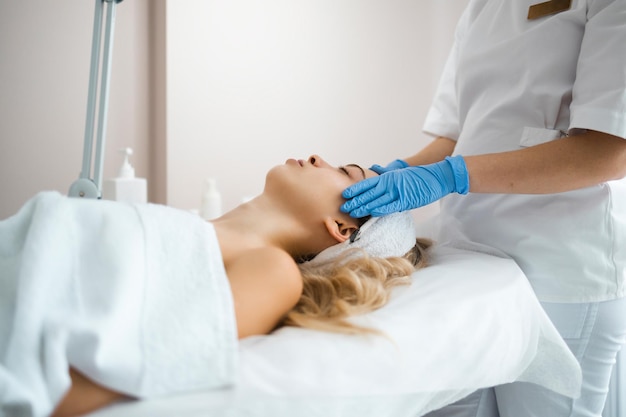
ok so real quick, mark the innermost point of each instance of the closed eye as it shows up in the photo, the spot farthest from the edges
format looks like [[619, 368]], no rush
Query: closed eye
[[350, 170]]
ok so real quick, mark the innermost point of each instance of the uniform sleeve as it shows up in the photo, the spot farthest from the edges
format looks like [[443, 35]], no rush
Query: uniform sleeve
[[599, 94], [442, 118]]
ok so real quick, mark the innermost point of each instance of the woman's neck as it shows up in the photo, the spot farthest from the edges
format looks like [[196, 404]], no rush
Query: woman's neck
[[258, 223]]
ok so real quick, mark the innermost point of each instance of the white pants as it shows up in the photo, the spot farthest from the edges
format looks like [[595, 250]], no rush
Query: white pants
[[594, 332], [616, 401]]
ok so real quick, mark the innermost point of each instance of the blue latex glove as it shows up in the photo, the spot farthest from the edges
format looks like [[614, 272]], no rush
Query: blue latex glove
[[406, 188], [392, 166]]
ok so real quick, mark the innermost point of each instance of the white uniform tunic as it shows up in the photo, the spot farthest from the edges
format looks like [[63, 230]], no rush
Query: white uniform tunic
[[511, 83]]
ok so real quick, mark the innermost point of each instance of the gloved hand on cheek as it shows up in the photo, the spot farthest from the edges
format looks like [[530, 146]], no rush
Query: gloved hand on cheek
[[406, 188]]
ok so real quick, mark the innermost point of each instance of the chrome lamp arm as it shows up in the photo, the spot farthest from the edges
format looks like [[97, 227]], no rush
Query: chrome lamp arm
[[86, 186]]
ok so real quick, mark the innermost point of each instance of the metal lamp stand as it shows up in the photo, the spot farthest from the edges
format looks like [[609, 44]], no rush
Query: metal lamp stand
[[86, 186]]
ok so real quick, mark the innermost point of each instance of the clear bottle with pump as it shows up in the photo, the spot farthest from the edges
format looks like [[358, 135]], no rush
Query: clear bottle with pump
[[211, 206], [126, 187]]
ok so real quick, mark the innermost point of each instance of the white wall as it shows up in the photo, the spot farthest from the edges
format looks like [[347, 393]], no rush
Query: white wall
[[45, 49], [217, 88], [250, 84]]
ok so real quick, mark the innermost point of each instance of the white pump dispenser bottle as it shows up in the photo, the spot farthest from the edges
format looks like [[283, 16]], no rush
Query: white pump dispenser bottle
[[211, 206], [126, 187]]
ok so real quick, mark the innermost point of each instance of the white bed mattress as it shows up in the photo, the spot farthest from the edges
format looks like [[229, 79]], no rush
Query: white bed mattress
[[470, 320]]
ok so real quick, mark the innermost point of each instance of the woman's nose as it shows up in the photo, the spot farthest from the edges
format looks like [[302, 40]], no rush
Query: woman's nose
[[315, 160]]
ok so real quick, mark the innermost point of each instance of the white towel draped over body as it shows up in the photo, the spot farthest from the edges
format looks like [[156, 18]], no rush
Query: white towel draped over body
[[133, 296]]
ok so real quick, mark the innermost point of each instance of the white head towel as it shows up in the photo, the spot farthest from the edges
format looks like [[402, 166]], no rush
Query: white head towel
[[390, 235]]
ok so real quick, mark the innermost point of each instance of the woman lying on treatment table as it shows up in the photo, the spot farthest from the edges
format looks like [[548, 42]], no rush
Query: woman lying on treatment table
[[265, 245]]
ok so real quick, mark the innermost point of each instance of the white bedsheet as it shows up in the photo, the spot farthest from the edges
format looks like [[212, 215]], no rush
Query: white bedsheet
[[470, 320]]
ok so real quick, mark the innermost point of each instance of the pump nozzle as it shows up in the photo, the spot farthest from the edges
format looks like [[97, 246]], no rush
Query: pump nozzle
[[126, 170]]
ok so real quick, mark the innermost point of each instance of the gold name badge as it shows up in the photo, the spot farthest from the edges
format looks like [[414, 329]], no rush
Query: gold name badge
[[547, 8]]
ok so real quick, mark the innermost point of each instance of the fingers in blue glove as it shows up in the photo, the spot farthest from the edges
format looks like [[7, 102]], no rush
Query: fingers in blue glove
[[393, 165], [392, 207], [360, 194], [386, 203], [369, 197], [360, 187], [378, 169]]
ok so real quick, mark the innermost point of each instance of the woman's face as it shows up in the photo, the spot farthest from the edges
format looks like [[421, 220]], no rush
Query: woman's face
[[313, 186]]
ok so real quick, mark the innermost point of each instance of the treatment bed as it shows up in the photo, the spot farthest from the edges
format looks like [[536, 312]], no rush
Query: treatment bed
[[127, 294], [470, 320]]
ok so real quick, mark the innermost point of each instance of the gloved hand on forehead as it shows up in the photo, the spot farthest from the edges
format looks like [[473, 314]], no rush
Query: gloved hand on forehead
[[393, 165], [406, 188]]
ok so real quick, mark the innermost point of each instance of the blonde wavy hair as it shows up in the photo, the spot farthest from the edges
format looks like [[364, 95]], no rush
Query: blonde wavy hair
[[348, 286]]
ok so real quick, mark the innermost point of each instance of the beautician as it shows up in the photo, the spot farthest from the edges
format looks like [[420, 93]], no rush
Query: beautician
[[529, 122]]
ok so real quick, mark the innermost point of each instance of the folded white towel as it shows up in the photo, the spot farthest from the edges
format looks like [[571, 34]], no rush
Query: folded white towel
[[383, 237], [133, 296]]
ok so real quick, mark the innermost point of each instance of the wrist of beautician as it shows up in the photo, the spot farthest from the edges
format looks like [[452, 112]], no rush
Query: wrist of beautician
[[392, 166], [406, 188]]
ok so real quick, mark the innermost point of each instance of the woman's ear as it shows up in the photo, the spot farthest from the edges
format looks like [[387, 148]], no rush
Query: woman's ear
[[339, 229]]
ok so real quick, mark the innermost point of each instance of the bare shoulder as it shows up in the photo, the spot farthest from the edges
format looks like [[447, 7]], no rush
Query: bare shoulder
[[271, 257], [269, 265], [266, 284]]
